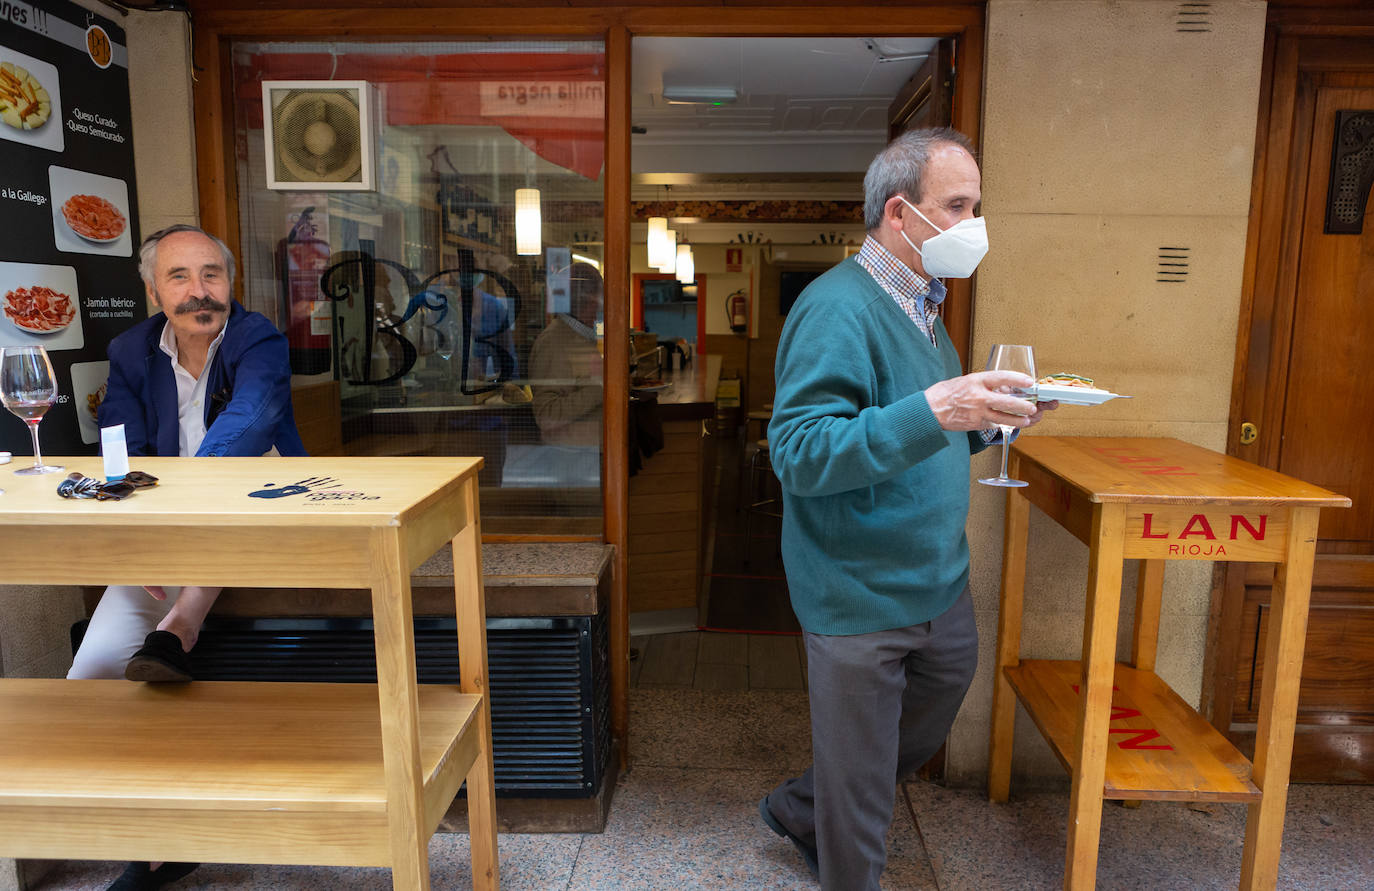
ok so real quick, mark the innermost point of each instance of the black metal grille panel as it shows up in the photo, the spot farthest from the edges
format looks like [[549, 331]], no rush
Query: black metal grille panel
[[550, 689]]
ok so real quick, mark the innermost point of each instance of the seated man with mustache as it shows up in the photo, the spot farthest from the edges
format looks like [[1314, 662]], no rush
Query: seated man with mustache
[[204, 377]]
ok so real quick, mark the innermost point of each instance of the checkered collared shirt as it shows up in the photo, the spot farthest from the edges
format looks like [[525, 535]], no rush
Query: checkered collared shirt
[[919, 299]]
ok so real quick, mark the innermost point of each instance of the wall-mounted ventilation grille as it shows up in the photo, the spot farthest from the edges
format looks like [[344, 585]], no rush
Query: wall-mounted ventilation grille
[[1352, 172], [550, 683], [1173, 264], [1193, 17]]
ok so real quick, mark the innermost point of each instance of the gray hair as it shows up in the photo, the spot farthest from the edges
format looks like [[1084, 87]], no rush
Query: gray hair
[[898, 169], [147, 252]]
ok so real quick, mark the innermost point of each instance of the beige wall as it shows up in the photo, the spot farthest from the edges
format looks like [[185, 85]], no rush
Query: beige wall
[[1108, 134]]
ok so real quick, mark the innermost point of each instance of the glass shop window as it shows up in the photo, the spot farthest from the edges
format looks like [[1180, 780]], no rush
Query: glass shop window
[[424, 223]]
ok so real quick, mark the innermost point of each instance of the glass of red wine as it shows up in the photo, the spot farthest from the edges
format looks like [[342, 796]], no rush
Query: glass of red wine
[[28, 389]]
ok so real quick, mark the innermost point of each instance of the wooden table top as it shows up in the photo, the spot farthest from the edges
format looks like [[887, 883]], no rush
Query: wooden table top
[[1165, 471], [323, 491]]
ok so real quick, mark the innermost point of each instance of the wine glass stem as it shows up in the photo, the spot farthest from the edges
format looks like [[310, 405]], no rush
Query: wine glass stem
[[38, 455], [1006, 444]]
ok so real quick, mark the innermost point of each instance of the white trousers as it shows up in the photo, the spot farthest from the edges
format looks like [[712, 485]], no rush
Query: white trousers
[[122, 619]]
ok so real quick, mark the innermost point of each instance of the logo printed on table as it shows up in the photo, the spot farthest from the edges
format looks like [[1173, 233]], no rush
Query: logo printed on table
[[314, 488]]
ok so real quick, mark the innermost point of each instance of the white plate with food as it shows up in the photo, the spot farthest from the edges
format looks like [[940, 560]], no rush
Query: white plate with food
[[40, 305], [88, 391], [90, 212], [39, 309], [1072, 389], [30, 104], [94, 219]]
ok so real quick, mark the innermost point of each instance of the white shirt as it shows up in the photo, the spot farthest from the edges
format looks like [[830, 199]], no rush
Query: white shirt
[[190, 392]]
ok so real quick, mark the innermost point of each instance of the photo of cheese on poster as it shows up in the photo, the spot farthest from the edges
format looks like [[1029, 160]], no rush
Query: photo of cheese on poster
[[30, 101], [90, 213], [39, 305]]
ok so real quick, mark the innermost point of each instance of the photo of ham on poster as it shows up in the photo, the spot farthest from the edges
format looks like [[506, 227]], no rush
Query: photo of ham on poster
[[90, 213], [40, 306], [30, 101]]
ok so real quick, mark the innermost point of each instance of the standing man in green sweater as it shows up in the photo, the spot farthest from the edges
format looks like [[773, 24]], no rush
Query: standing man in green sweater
[[872, 430]]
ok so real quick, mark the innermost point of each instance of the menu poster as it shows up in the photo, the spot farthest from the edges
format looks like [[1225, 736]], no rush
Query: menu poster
[[68, 209]]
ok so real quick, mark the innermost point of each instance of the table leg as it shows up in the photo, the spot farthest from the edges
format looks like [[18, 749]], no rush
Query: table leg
[[1149, 593], [394, 634], [1016, 529], [1095, 690], [470, 608], [1283, 649]]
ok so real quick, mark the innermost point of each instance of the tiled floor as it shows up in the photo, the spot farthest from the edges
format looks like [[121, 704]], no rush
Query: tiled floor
[[684, 817]]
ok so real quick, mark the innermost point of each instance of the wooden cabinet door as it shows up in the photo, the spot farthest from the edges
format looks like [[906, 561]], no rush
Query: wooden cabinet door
[[1305, 351]]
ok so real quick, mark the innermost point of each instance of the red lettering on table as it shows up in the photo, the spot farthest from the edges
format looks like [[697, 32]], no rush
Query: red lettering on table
[[1204, 528], [1197, 550], [1237, 521], [1145, 531], [1138, 741]]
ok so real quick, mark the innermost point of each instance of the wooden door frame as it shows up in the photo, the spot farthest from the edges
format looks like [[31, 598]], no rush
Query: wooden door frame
[[217, 23], [1298, 38]]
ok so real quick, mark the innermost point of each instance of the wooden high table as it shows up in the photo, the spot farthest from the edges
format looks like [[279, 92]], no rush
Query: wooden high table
[[1128, 735], [325, 774]]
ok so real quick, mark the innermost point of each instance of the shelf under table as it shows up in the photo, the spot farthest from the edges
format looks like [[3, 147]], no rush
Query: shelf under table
[[1161, 749], [217, 771]]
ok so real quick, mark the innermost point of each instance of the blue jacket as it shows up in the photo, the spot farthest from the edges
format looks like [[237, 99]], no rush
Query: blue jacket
[[248, 393]]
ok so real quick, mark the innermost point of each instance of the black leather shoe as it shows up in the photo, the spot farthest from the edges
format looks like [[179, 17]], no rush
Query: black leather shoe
[[808, 852], [161, 660], [138, 877]]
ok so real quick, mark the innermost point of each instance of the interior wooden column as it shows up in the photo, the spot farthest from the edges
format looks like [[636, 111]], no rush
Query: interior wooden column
[[616, 421]]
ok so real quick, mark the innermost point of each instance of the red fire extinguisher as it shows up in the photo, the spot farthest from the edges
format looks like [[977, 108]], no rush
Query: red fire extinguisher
[[301, 259], [737, 305]]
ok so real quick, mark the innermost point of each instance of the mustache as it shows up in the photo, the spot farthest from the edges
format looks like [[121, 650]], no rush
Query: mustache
[[201, 304]]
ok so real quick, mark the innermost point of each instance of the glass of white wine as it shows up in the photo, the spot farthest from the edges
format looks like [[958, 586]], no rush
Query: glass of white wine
[[28, 389], [1010, 357]]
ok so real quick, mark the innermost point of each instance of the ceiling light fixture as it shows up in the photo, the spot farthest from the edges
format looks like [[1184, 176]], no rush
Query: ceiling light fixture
[[669, 265], [686, 264], [528, 225], [657, 241], [700, 95]]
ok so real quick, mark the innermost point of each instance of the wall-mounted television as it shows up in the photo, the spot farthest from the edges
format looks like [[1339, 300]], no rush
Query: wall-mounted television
[[791, 282], [663, 291]]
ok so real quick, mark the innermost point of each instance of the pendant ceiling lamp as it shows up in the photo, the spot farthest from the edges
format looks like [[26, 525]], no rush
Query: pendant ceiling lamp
[[528, 225], [686, 264], [669, 264], [659, 251]]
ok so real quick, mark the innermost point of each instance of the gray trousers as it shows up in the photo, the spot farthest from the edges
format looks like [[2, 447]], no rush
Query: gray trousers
[[881, 706]]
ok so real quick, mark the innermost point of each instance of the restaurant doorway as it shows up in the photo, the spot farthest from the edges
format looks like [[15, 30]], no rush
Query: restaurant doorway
[[1306, 332], [751, 152]]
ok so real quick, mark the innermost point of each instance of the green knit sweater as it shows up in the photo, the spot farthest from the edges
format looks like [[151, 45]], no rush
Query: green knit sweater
[[875, 493]]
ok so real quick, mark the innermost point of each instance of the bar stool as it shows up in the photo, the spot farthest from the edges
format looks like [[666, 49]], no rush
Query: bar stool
[[760, 417], [766, 495]]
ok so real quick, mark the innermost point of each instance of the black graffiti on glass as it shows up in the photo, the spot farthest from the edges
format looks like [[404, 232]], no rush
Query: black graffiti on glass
[[300, 487], [345, 279]]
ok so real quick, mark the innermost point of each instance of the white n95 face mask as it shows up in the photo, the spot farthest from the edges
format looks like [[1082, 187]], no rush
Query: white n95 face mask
[[954, 252]]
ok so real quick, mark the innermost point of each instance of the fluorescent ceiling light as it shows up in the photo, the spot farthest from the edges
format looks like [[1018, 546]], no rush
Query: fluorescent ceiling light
[[700, 95]]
